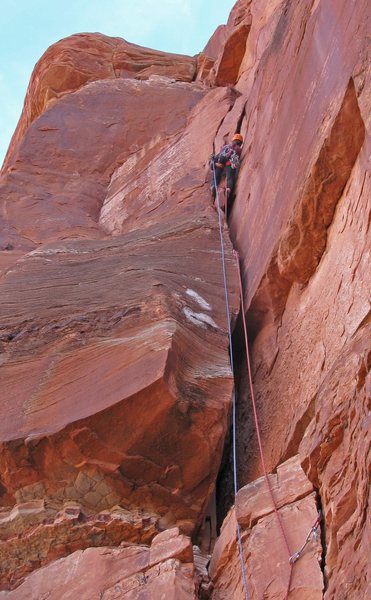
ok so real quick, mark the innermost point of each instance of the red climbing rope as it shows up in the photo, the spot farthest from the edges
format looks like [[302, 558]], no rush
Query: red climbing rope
[[292, 558], [235, 484], [257, 428]]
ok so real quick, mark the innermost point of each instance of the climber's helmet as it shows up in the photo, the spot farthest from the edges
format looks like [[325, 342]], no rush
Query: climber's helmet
[[237, 139]]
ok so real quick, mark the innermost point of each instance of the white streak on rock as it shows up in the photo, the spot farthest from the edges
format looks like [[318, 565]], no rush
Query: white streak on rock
[[199, 299], [199, 319]]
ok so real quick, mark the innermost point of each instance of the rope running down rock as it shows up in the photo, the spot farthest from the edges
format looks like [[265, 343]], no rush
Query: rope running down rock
[[232, 368], [291, 557], [257, 427]]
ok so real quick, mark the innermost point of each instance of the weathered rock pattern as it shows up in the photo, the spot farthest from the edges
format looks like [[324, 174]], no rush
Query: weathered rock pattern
[[300, 223], [163, 570], [36, 534], [120, 343], [70, 64], [267, 565], [113, 347], [115, 377]]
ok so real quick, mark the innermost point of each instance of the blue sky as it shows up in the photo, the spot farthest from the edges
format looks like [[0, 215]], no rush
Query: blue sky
[[29, 27]]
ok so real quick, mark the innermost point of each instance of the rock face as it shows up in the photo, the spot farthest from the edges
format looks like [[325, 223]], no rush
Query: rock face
[[70, 64], [304, 191], [115, 377], [267, 566], [164, 570], [300, 223], [130, 413]]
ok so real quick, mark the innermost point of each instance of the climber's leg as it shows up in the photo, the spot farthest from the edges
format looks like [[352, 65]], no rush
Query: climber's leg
[[218, 176]]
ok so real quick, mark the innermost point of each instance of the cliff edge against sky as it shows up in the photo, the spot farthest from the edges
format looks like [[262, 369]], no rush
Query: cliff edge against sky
[[116, 386]]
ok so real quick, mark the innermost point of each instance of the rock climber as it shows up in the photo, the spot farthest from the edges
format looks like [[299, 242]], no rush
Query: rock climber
[[227, 162]]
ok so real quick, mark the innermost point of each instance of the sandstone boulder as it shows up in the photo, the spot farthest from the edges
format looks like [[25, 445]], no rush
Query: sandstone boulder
[[163, 570], [266, 561]]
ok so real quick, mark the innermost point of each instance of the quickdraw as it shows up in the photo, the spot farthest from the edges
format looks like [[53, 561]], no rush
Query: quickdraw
[[312, 534]]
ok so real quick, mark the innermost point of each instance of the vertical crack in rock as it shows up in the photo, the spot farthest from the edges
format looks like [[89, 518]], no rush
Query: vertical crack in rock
[[116, 380], [224, 483], [233, 95], [323, 538], [241, 118]]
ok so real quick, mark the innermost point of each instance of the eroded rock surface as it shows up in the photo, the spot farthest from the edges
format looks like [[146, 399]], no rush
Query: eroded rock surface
[[35, 533], [115, 376], [265, 556], [113, 328], [124, 411], [301, 225], [79, 59], [164, 569]]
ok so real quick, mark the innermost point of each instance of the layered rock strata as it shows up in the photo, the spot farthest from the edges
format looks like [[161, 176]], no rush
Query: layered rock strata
[[115, 378], [164, 569], [116, 384]]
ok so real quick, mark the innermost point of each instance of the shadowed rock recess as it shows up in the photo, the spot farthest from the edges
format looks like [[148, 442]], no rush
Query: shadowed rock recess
[[115, 379]]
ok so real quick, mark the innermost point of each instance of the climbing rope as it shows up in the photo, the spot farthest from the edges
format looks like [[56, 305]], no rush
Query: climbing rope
[[235, 486], [292, 558], [257, 427]]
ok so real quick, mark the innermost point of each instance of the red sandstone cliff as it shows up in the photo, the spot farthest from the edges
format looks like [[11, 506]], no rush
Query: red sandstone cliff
[[115, 378]]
